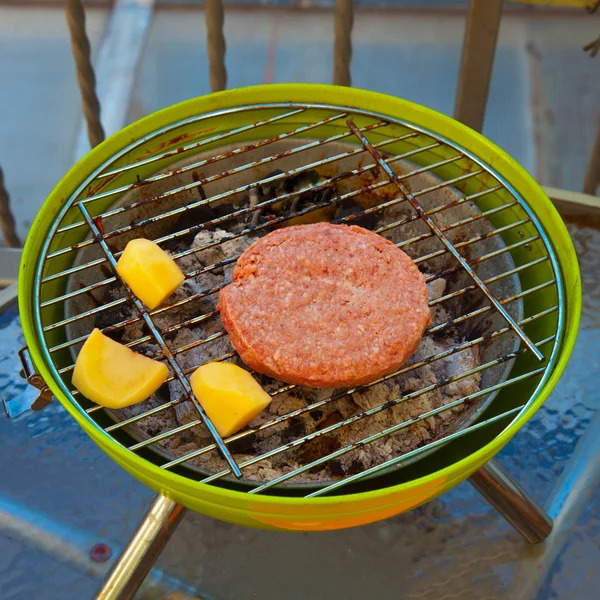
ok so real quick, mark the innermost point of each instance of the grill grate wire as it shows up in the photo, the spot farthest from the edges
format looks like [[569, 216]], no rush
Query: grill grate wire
[[427, 142], [407, 194]]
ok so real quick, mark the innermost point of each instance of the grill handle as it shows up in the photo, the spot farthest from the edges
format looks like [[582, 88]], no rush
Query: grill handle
[[25, 401]]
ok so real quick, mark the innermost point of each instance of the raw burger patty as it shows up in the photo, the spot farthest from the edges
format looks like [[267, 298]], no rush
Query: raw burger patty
[[325, 305]]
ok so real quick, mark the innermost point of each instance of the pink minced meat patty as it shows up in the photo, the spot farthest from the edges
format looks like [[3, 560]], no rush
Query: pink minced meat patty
[[328, 306]]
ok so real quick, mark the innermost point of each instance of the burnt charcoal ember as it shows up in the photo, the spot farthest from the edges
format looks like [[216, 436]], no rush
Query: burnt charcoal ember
[[318, 448], [187, 219], [349, 207], [243, 445], [295, 429], [117, 314], [222, 210], [162, 394], [283, 188]]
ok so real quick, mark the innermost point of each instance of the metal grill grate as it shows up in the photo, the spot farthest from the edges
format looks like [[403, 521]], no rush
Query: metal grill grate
[[91, 218]]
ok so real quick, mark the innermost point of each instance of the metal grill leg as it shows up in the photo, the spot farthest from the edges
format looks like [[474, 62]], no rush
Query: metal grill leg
[[512, 502], [143, 549]]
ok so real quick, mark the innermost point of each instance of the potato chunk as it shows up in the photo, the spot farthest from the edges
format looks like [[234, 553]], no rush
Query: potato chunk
[[149, 271], [230, 396], [114, 376]]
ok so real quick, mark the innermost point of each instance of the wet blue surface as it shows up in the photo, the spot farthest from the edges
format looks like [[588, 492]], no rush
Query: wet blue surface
[[48, 464]]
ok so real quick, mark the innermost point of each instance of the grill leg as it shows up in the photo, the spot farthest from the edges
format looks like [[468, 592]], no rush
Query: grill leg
[[143, 549], [512, 502]]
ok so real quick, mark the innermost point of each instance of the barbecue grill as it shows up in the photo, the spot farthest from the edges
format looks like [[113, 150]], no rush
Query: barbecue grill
[[153, 179]]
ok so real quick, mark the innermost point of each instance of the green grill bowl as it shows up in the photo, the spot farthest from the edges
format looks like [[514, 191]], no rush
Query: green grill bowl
[[359, 503]]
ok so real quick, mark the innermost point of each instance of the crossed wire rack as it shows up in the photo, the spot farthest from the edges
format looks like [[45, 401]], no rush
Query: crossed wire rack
[[379, 143]]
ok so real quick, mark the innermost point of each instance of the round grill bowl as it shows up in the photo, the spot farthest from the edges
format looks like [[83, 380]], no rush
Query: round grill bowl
[[361, 501]]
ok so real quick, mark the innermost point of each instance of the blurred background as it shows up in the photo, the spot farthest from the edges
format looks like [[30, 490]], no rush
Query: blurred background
[[60, 497], [542, 107]]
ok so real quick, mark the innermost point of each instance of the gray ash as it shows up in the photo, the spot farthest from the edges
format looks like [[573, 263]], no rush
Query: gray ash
[[280, 188]]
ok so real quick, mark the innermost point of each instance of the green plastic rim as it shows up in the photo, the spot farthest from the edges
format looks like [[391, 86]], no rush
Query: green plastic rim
[[322, 512]]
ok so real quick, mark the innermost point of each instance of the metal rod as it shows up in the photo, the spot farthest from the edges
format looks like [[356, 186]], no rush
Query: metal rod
[[592, 174], [484, 309], [186, 148], [80, 45], [136, 560], [168, 355], [135, 418], [512, 502], [476, 261], [7, 219], [342, 47], [219, 137], [164, 435], [117, 61], [437, 209], [470, 241], [431, 224], [479, 47], [472, 287], [412, 218], [215, 42]]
